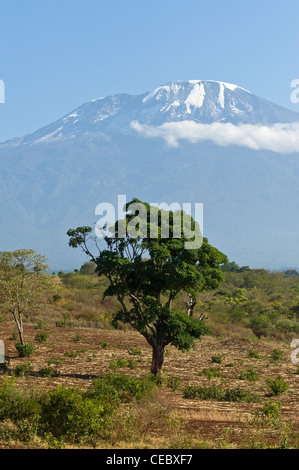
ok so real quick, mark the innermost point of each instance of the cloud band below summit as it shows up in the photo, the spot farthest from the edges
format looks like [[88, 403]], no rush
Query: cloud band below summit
[[280, 137]]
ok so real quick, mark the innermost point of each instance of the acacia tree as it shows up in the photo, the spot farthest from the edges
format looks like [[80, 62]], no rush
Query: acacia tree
[[147, 274], [22, 284]]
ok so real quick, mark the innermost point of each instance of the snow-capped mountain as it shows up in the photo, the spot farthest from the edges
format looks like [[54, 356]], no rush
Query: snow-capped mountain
[[53, 179], [201, 101]]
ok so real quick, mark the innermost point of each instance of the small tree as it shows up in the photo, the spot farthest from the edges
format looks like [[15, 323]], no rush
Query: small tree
[[22, 283], [147, 274]]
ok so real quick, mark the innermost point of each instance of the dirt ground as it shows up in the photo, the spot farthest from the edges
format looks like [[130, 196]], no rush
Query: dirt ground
[[209, 420]]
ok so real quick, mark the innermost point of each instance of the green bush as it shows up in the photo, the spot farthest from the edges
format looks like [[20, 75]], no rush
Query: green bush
[[41, 337], [173, 382], [220, 394], [22, 410], [252, 354], [135, 352], [276, 355], [277, 385], [68, 413], [125, 388], [49, 372], [25, 350], [22, 369], [249, 374], [212, 372]]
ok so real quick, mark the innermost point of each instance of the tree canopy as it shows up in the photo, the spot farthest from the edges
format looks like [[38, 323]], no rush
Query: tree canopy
[[147, 274], [22, 283]]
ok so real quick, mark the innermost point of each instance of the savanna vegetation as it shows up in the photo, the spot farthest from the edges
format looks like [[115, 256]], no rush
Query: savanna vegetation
[[80, 370]]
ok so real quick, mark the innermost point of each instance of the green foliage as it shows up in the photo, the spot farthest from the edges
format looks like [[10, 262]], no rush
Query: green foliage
[[220, 394], [125, 388], [70, 414], [152, 283], [173, 382], [249, 374], [22, 410], [277, 385], [103, 344], [49, 372], [23, 284], [276, 355], [22, 369], [252, 354], [25, 350], [41, 337], [211, 372], [66, 322], [217, 359], [135, 352]]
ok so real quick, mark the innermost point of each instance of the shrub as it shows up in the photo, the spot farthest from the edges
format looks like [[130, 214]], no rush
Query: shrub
[[276, 355], [49, 372], [22, 410], [135, 352], [22, 369], [269, 412], [68, 413], [212, 372], [173, 382], [217, 359], [277, 385], [127, 388], [252, 354], [14, 336], [104, 344], [249, 374], [25, 350], [41, 337], [220, 394]]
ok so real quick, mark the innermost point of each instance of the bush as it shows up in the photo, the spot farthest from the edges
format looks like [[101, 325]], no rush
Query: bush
[[22, 410], [217, 359], [49, 372], [25, 350], [276, 355], [41, 337], [22, 369], [252, 354], [173, 382], [212, 372], [249, 374], [68, 413], [135, 352], [127, 388], [220, 394], [277, 385]]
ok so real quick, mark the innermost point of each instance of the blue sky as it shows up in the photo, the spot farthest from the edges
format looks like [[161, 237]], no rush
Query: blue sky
[[57, 54]]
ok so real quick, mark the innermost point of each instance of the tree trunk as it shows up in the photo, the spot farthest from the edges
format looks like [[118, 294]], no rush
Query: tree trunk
[[157, 359]]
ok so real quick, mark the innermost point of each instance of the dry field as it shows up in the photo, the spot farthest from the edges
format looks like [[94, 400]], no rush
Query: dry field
[[216, 423]]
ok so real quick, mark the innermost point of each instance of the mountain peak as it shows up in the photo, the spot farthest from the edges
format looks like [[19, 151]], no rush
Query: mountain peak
[[201, 101]]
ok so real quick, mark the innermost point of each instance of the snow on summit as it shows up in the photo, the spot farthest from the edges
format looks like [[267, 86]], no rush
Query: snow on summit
[[200, 101]]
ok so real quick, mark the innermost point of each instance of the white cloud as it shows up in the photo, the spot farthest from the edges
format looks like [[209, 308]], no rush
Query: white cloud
[[281, 137]]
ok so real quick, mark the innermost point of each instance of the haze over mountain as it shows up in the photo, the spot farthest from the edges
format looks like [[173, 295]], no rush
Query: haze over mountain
[[186, 141]]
